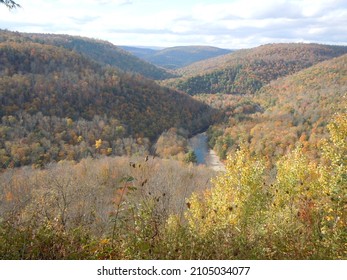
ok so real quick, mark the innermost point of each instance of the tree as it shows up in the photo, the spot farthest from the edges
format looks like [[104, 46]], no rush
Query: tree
[[191, 157], [10, 4], [236, 201]]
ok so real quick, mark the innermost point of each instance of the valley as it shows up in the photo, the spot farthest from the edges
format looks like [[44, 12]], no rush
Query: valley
[[207, 153], [176, 57]]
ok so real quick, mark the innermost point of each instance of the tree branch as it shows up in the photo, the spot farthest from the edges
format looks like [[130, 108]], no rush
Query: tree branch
[[10, 4]]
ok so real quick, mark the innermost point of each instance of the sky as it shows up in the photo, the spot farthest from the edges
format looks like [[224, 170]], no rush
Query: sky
[[231, 24]]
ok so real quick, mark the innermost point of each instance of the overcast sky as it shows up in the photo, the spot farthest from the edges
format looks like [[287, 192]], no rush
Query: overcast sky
[[222, 23]]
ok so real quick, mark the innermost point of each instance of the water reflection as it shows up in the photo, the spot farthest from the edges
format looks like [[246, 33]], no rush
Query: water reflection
[[198, 144]]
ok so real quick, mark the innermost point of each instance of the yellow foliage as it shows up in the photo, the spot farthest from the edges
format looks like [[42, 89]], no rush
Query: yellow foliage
[[69, 122], [296, 178], [312, 198], [235, 200], [109, 151], [333, 175], [305, 205], [98, 143]]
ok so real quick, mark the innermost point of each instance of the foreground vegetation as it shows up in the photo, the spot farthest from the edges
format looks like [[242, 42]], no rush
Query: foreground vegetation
[[155, 209]]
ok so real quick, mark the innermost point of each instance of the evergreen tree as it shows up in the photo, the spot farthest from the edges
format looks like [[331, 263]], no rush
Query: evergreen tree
[[191, 157]]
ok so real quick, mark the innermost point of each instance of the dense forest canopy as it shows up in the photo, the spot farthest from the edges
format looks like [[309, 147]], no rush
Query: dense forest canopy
[[61, 102], [102, 52], [289, 111]]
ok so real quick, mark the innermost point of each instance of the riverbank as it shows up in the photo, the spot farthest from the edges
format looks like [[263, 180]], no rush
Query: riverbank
[[213, 161], [204, 155]]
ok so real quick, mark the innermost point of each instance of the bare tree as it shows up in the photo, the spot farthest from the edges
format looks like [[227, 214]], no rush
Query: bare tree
[[10, 4]]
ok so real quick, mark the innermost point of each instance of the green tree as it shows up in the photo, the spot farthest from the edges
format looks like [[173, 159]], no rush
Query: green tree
[[191, 157]]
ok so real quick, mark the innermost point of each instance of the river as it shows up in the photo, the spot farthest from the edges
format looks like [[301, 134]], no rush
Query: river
[[204, 155]]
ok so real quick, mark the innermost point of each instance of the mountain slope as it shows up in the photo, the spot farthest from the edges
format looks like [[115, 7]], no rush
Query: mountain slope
[[177, 57], [140, 52], [102, 52], [60, 100], [246, 71], [294, 110]]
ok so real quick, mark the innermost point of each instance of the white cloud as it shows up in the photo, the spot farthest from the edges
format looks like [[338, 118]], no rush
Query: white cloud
[[232, 24]]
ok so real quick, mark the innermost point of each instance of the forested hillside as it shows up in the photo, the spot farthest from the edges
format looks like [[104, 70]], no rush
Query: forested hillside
[[246, 71], [102, 52], [95, 163], [290, 111], [155, 209], [58, 104], [177, 57]]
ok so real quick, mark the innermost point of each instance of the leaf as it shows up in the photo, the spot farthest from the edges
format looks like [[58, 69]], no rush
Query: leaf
[[127, 179]]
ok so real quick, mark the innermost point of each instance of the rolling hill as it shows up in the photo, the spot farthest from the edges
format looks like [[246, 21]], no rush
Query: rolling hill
[[140, 52], [61, 101], [102, 52], [246, 71], [177, 57], [290, 111]]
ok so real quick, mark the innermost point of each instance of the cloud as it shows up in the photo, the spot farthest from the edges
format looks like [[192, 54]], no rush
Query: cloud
[[84, 19], [113, 2], [276, 21], [98, 2], [224, 23]]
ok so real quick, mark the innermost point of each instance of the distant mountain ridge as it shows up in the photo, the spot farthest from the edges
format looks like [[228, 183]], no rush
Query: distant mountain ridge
[[246, 71], [176, 57], [102, 52]]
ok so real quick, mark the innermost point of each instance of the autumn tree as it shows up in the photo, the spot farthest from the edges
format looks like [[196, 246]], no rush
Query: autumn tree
[[236, 200]]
